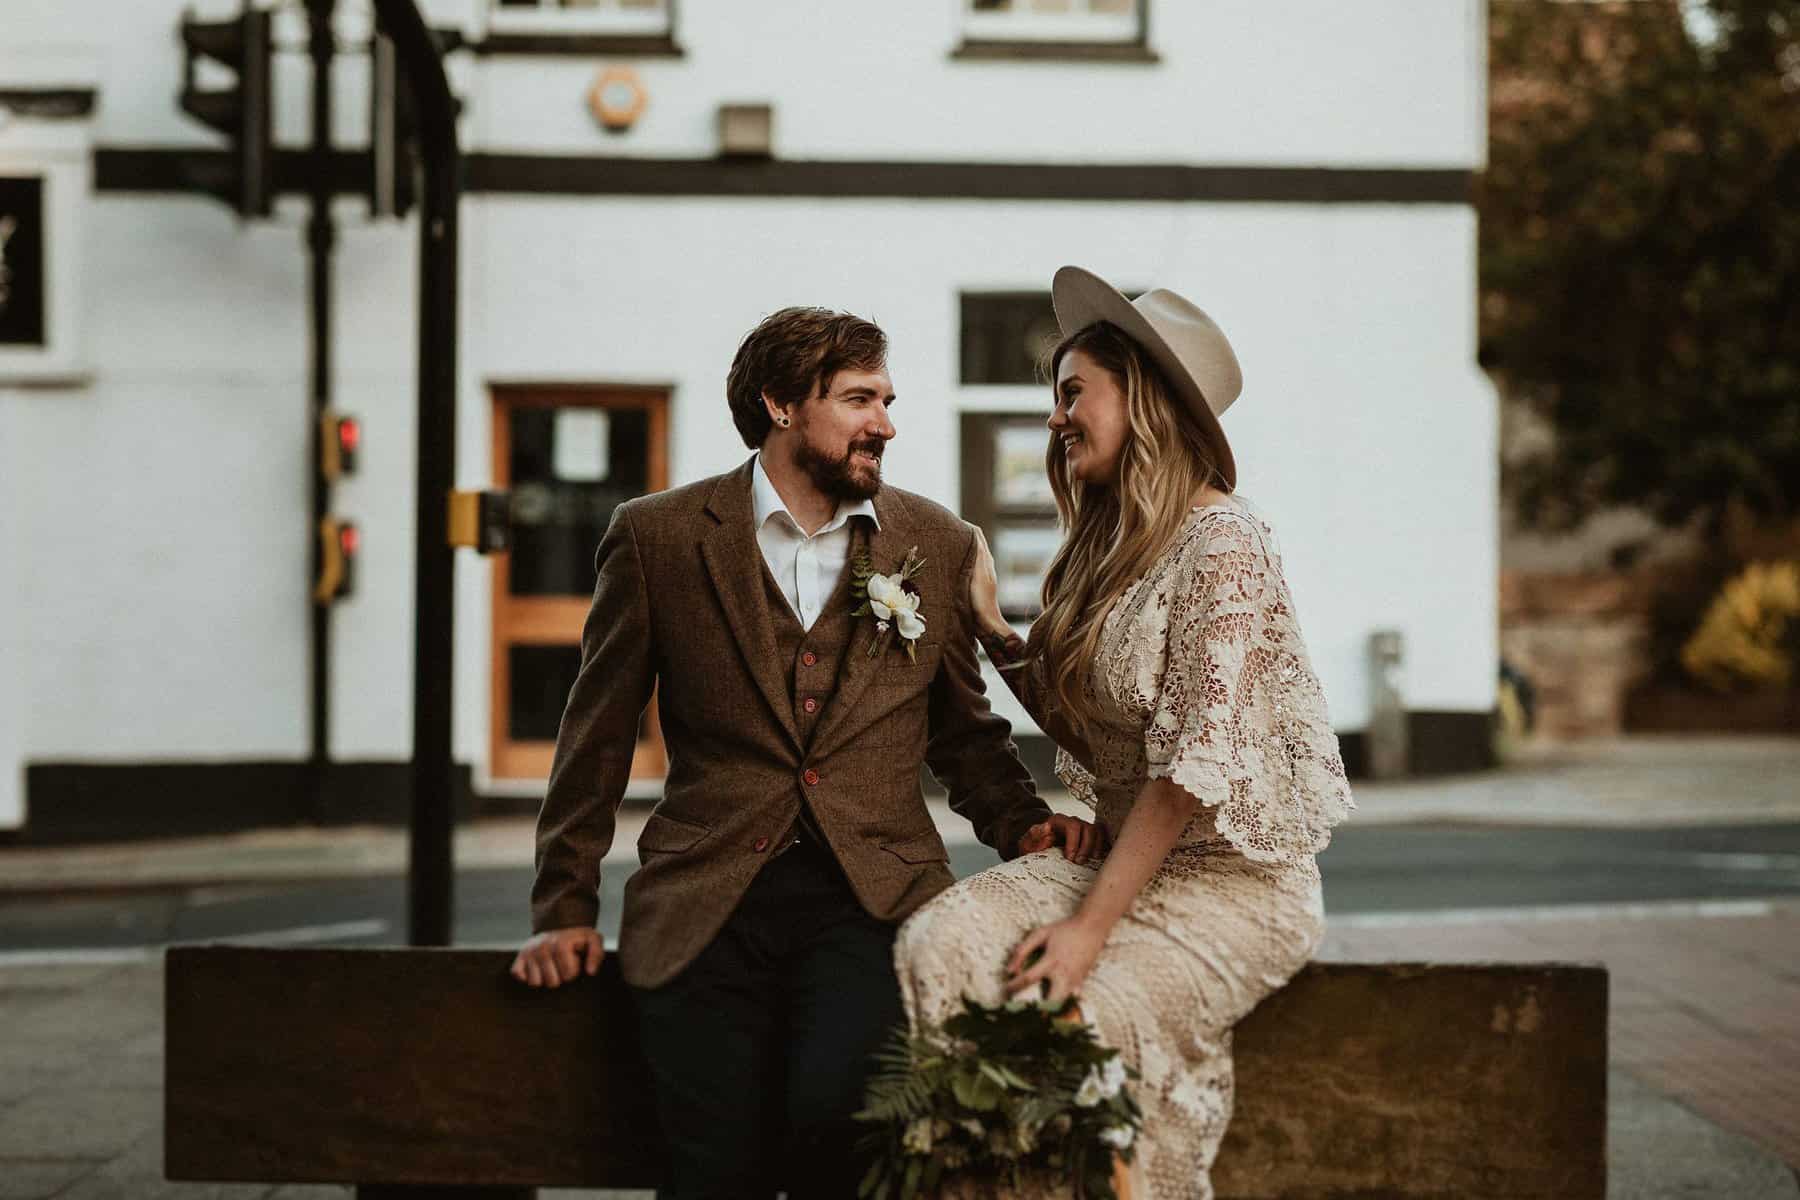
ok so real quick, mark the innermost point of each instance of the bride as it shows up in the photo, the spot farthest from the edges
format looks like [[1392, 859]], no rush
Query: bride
[[1169, 667]]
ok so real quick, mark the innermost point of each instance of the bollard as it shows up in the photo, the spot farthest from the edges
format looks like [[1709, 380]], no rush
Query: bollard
[[1389, 750]]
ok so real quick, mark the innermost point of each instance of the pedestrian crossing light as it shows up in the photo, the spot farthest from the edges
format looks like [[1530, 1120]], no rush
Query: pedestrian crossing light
[[242, 113], [340, 438], [339, 541]]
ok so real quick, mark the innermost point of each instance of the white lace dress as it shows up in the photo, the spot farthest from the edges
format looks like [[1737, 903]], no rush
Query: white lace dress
[[1202, 678]]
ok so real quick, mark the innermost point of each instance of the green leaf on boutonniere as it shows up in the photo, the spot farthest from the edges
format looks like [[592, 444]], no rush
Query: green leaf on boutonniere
[[861, 610], [911, 657]]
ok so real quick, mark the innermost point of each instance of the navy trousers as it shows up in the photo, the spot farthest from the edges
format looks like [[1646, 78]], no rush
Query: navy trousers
[[759, 1049]]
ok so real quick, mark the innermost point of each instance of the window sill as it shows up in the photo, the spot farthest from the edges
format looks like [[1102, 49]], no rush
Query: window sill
[[1108, 52], [581, 45]]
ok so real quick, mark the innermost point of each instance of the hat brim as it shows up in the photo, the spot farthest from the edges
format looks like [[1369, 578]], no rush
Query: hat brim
[[1081, 298]]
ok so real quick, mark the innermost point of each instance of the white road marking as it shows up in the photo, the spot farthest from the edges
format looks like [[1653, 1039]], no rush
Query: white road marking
[[301, 934], [1651, 910]]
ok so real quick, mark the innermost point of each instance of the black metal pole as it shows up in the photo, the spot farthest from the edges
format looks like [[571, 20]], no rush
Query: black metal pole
[[430, 876], [321, 235]]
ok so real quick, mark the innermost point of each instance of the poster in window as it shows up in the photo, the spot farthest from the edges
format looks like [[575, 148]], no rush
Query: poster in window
[[1022, 554], [22, 290], [1019, 476]]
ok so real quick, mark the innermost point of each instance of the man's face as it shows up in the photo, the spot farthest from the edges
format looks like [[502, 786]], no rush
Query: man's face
[[844, 432]]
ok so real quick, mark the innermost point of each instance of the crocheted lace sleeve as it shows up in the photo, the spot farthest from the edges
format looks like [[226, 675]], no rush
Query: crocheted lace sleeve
[[1240, 720]]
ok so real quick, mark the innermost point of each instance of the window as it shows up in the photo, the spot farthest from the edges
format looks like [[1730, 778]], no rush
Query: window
[[1006, 492], [1080, 21], [631, 18], [1004, 335]]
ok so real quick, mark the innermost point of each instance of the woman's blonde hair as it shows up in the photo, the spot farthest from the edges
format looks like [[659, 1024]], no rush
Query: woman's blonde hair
[[1112, 533]]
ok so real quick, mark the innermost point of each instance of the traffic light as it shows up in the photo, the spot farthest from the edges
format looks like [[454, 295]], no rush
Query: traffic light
[[393, 127], [339, 540], [481, 521], [339, 439], [241, 113]]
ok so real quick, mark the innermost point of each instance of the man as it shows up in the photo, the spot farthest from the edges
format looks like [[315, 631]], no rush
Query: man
[[791, 838]]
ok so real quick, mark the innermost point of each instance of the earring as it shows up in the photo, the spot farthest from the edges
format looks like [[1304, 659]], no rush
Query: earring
[[782, 421]]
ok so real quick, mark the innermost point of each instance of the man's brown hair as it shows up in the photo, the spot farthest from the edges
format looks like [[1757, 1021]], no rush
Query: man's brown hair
[[792, 354]]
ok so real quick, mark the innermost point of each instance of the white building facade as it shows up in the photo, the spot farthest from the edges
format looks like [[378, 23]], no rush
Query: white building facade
[[1298, 168]]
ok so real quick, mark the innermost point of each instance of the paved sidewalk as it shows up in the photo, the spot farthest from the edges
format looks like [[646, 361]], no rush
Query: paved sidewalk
[[1630, 782]]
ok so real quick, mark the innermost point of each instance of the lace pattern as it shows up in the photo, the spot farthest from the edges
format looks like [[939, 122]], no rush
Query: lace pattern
[[1202, 677]]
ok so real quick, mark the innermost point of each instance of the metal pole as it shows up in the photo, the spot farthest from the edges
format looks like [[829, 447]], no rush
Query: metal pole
[[321, 235], [430, 878]]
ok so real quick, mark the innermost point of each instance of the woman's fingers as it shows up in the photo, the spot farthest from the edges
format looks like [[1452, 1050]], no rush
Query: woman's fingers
[[1032, 941]]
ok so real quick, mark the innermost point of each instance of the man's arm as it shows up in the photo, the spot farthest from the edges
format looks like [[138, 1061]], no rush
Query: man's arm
[[971, 749], [598, 734]]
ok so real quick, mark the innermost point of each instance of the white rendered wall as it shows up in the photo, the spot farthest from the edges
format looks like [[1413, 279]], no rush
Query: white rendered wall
[[1377, 83]]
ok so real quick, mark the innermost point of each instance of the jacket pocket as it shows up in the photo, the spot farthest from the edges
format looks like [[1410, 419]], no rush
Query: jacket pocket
[[669, 835], [927, 847], [900, 671]]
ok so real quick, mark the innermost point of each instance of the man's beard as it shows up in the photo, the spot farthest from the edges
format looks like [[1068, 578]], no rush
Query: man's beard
[[839, 477]]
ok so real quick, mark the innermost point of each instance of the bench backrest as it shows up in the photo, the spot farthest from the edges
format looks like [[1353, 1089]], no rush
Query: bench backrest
[[436, 1067]]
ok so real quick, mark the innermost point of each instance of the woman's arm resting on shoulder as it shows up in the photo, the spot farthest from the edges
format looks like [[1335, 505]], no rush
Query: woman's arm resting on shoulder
[[1070, 946], [1007, 649]]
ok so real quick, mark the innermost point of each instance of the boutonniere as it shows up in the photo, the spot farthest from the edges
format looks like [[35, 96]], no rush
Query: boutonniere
[[892, 598]]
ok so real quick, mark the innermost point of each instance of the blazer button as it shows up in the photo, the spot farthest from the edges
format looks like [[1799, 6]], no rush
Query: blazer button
[[811, 777], [811, 705], [809, 659], [762, 844]]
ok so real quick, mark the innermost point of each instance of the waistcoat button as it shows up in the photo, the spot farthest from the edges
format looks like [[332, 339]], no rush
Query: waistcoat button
[[810, 659], [811, 777], [762, 844], [811, 705]]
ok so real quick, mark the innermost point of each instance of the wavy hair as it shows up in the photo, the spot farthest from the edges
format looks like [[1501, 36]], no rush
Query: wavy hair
[[1112, 533]]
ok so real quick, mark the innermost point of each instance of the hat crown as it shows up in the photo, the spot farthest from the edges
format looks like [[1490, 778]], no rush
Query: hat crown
[[1198, 342]]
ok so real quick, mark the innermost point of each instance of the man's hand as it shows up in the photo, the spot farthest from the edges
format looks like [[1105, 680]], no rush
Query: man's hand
[[1081, 840], [558, 956]]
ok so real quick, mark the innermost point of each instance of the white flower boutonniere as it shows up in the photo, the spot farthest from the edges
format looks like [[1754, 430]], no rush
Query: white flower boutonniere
[[893, 600]]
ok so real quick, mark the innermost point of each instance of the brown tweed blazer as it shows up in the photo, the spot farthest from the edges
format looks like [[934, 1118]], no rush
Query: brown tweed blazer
[[680, 605]]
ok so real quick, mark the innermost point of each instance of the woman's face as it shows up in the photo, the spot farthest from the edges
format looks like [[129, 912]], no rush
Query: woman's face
[[1090, 418]]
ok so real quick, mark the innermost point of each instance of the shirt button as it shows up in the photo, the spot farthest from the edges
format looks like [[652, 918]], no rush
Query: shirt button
[[811, 705], [809, 659], [811, 777], [762, 844]]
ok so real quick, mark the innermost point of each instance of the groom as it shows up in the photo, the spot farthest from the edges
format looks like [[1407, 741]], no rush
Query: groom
[[791, 839]]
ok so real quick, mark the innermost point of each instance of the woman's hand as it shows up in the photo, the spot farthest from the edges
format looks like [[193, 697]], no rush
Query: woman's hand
[[1069, 950], [984, 590]]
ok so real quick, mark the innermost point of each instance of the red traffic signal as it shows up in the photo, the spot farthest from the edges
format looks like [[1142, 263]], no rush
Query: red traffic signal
[[339, 440], [339, 541]]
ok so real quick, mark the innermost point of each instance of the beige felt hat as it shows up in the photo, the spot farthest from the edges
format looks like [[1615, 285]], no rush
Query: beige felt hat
[[1186, 343]]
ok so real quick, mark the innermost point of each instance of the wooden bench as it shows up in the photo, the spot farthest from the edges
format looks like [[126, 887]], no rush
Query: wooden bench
[[434, 1067]]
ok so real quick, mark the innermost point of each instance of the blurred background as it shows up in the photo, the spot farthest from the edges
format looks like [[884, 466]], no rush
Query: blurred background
[[1515, 284]]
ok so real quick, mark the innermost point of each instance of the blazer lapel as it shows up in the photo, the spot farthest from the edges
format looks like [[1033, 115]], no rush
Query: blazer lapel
[[887, 550], [735, 563]]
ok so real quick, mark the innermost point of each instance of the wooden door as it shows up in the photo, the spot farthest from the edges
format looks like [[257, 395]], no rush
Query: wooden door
[[570, 455]]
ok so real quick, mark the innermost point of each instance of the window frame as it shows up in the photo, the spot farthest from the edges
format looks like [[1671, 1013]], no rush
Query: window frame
[[1093, 37]]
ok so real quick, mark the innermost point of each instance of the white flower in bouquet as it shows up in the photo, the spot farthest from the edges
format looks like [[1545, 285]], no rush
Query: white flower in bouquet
[[1102, 1083], [1119, 1137], [918, 1136]]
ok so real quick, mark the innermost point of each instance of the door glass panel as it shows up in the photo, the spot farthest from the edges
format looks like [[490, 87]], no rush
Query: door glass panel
[[570, 469], [540, 678]]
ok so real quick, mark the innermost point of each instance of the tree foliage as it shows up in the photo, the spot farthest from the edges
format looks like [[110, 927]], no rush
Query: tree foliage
[[1640, 254]]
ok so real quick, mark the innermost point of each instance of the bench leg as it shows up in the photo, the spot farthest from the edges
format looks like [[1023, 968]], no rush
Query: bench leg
[[391, 1191]]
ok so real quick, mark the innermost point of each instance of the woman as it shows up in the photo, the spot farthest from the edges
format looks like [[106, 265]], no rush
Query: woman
[[1169, 667]]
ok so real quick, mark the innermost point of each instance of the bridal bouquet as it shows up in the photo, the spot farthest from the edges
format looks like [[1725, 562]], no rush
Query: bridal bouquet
[[997, 1100]]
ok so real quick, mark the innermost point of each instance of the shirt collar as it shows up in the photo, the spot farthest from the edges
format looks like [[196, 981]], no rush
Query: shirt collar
[[767, 502]]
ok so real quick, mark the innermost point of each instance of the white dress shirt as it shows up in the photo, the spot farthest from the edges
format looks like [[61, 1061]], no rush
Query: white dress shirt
[[805, 568]]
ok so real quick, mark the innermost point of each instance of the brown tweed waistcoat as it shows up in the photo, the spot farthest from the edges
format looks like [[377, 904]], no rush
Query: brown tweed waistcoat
[[684, 605]]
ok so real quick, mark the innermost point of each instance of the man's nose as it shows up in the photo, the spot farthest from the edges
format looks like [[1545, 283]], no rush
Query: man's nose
[[884, 426]]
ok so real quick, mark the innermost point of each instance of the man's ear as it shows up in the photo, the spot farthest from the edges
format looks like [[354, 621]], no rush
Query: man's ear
[[778, 412]]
